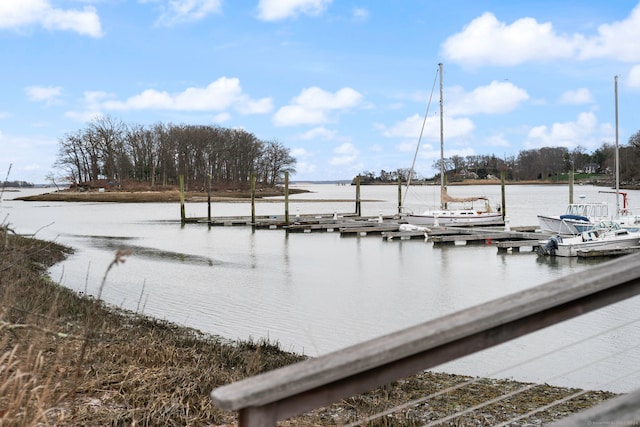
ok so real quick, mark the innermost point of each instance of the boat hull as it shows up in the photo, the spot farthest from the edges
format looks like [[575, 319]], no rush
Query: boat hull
[[461, 218], [558, 225], [571, 250], [600, 238]]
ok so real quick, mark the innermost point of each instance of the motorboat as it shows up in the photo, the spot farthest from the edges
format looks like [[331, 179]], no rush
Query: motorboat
[[577, 218], [605, 235], [581, 217]]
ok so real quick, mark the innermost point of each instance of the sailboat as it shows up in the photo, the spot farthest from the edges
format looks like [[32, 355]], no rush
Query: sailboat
[[468, 214], [623, 216]]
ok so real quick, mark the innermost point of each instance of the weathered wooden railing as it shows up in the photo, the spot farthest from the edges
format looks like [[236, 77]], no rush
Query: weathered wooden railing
[[282, 393]]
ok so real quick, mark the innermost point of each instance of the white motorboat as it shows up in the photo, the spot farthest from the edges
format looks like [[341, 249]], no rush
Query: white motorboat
[[606, 235], [577, 218]]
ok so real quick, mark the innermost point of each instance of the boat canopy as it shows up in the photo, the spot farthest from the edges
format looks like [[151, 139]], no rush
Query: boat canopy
[[446, 198]]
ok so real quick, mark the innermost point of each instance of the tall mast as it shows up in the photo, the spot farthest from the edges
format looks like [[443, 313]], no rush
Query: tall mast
[[615, 80], [442, 186]]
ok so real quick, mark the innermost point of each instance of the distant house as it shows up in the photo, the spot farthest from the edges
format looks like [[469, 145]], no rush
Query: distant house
[[591, 168]]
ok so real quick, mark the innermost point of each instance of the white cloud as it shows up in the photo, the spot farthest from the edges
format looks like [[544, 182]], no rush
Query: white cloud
[[185, 11], [220, 95], [314, 105], [21, 13], [221, 118], [633, 78], [273, 10], [30, 157], [497, 141], [305, 167], [299, 152], [584, 132], [41, 93], [360, 14], [83, 116], [346, 154], [576, 97], [618, 40], [411, 126], [496, 98], [319, 133], [487, 41]]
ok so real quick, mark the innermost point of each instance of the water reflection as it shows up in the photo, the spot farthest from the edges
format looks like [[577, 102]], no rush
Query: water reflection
[[112, 243]]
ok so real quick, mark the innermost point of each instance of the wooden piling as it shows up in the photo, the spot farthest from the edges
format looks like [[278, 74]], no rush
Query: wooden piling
[[286, 197], [504, 198], [571, 185], [253, 199], [182, 213], [358, 207], [399, 196], [209, 199]]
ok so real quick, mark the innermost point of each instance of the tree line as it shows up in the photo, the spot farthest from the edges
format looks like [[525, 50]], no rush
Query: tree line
[[547, 163], [108, 150]]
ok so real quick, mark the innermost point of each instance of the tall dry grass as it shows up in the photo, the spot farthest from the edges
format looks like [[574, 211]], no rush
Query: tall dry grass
[[68, 359]]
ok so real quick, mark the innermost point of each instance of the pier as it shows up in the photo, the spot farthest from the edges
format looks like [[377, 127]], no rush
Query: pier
[[390, 227]]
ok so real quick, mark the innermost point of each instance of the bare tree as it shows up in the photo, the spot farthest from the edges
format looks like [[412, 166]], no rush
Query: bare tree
[[276, 160]]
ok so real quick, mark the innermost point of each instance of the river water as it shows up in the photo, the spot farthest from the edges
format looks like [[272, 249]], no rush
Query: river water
[[314, 293]]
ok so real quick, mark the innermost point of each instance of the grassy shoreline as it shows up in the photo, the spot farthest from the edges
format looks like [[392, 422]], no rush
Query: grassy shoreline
[[68, 359]]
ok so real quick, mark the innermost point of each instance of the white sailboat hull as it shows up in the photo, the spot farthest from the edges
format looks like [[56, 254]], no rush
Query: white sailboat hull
[[459, 217]]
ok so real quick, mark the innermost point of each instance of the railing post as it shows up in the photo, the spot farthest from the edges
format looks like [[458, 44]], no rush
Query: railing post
[[257, 417]]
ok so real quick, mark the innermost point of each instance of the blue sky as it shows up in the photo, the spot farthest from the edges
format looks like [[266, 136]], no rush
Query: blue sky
[[343, 84]]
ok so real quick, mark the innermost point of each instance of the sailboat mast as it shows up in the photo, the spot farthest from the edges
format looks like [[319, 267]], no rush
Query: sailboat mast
[[442, 186], [615, 80]]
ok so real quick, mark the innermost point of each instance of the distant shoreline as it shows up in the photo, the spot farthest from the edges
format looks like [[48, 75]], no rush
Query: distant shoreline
[[235, 195]]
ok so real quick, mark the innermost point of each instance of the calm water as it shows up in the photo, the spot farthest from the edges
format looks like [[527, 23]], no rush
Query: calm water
[[319, 292]]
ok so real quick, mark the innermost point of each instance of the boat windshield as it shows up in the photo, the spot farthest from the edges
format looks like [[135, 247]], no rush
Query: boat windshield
[[589, 210], [608, 225]]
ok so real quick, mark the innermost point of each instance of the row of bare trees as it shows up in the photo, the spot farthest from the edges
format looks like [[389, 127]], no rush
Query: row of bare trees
[[535, 164], [108, 149]]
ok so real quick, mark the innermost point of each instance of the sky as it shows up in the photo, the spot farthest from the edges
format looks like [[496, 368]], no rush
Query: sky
[[347, 86]]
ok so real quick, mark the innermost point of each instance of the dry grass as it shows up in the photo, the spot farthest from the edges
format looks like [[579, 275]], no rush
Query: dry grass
[[69, 360]]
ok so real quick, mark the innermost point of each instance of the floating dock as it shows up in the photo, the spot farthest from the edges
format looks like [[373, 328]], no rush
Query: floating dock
[[614, 252], [389, 227]]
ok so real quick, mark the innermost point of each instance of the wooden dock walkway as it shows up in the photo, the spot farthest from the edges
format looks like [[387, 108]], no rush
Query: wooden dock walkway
[[504, 240], [389, 227], [278, 221], [515, 245]]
